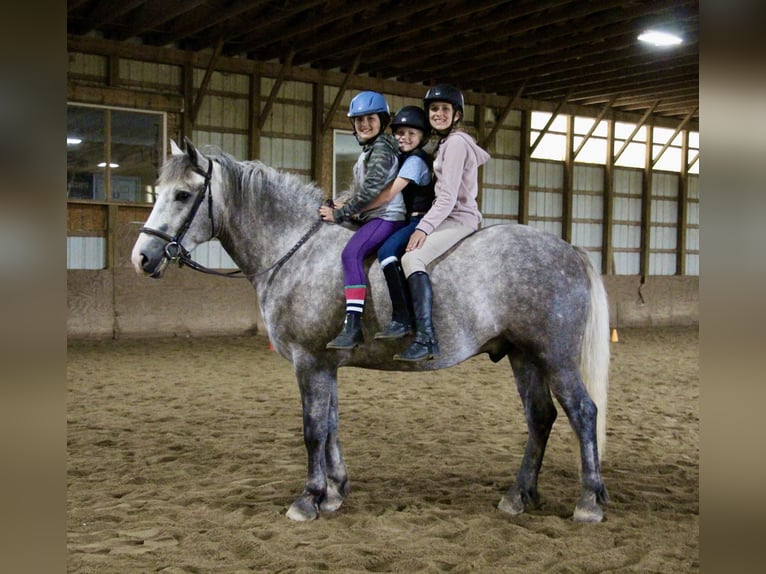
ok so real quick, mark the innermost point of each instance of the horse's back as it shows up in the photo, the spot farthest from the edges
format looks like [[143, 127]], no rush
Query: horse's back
[[513, 281], [505, 285]]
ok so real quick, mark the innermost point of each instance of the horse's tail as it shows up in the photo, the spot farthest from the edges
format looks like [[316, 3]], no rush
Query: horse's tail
[[594, 353]]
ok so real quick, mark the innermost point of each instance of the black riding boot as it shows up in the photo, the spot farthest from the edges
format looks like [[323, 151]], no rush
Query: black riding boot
[[351, 334], [401, 317], [425, 346]]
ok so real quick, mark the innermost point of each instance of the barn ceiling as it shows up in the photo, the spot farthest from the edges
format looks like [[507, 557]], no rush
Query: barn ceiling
[[575, 51]]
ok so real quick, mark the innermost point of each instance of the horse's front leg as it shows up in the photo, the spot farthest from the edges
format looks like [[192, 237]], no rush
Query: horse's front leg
[[326, 470], [338, 486]]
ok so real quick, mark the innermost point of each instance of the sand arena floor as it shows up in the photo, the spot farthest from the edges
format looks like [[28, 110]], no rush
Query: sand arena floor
[[184, 454]]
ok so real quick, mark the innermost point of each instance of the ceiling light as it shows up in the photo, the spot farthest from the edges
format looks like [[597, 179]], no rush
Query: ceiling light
[[103, 164], [657, 38], [71, 140]]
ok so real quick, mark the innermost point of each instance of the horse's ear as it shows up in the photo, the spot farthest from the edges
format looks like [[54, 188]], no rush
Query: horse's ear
[[196, 157], [174, 149]]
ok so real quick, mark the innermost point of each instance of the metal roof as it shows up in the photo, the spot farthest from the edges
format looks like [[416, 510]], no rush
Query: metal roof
[[574, 51]]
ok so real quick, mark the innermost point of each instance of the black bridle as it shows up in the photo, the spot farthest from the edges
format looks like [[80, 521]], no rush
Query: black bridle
[[174, 251]]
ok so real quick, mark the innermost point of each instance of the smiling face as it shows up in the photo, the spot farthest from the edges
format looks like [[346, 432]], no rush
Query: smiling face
[[441, 116], [366, 127], [408, 138]]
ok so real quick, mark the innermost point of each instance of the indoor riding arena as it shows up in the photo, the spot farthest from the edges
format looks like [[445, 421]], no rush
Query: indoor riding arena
[[185, 422]]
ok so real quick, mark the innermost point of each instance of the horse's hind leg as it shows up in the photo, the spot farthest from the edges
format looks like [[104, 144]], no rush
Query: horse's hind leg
[[568, 388], [540, 413]]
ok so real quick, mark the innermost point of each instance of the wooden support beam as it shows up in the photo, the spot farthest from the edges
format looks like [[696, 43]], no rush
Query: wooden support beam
[[206, 80], [275, 89], [683, 207], [639, 125], [254, 110], [317, 132], [681, 126], [341, 90], [607, 247], [567, 197], [549, 123], [598, 119], [489, 138], [646, 207], [524, 162]]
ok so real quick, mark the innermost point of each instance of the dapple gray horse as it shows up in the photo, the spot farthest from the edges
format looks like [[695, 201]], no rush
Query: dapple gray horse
[[506, 290]]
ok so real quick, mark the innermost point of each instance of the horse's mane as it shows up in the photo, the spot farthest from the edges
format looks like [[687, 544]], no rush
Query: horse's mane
[[245, 176]]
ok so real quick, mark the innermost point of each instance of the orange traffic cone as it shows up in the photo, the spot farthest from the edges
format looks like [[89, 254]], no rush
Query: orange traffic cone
[[614, 338]]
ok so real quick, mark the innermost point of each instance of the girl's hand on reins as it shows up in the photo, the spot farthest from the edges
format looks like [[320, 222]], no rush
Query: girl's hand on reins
[[325, 212]]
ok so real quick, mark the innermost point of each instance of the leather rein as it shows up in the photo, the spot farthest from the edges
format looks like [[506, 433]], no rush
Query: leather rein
[[174, 251]]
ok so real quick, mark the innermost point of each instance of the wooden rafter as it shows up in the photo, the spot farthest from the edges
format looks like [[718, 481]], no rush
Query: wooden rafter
[[548, 124], [681, 126], [638, 127], [487, 141], [275, 89], [592, 129], [206, 81], [341, 91]]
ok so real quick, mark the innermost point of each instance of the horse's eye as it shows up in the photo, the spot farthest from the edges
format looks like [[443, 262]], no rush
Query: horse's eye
[[182, 196]]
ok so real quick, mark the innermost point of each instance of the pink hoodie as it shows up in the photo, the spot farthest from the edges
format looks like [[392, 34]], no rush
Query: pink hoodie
[[456, 168]]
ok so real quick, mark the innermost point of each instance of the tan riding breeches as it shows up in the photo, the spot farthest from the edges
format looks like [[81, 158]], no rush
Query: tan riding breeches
[[439, 241]]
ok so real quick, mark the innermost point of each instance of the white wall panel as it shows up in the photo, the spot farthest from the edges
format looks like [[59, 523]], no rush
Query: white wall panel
[[88, 64], [507, 142], [500, 202], [692, 230], [234, 144], [85, 252], [211, 254], [626, 211], [588, 210], [663, 223], [153, 74]]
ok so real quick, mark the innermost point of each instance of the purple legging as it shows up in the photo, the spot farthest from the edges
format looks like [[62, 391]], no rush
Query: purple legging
[[366, 240]]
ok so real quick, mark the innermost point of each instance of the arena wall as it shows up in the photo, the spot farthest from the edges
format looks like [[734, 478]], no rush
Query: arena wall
[[120, 304]]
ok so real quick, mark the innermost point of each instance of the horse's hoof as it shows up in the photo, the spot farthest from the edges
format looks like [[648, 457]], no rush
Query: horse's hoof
[[588, 510], [511, 503], [336, 492], [331, 503], [303, 510]]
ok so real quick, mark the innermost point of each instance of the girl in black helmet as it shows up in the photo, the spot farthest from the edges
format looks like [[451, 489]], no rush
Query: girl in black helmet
[[375, 170], [453, 215]]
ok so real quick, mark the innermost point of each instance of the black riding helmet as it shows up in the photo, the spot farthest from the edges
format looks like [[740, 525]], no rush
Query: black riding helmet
[[445, 93], [413, 117]]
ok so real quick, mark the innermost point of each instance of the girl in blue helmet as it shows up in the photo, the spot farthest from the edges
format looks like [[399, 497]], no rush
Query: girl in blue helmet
[[453, 215], [375, 170]]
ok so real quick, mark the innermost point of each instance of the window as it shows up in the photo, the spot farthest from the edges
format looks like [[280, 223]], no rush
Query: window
[[345, 153], [113, 155]]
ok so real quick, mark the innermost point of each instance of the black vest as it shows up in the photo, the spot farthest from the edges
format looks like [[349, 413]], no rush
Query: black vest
[[418, 198]]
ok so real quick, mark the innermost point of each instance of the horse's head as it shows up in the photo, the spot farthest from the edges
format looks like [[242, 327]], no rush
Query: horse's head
[[181, 217]]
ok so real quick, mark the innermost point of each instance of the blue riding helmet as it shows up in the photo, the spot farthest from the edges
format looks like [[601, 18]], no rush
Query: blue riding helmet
[[365, 103]]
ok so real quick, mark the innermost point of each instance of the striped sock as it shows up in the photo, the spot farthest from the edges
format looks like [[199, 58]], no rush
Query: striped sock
[[355, 298]]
